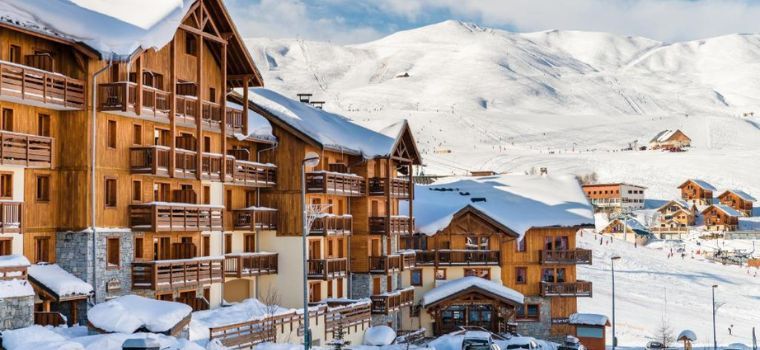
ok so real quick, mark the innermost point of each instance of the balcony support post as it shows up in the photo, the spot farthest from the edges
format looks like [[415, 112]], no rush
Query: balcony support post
[[223, 112], [199, 116], [173, 105], [139, 87]]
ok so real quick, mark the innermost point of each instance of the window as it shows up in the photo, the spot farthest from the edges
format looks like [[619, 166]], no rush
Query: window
[[416, 277], [161, 137], [521, 246], [482, 273], [476, 243], [329, 289], [161, 192], [6, 185], [227, 244], [191, 44], [212, 94], [110, 192], [137, 134], [228, 200], [139, 248], [136, 191], [521, 275], [340, 288], [440, 274], [249, 243], [43, 125], [315, 293], [43, 188], [250, 198], [14, 54], [590, 332], [6, 246], [112, 253], [41, 249], [206, 144], [7, 122], [206, 245], [206, 194], [528, 312], [111, 134]]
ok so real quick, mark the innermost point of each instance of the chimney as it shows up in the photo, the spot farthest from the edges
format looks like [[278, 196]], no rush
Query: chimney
[[317, 104], [544, 171], [304, 97]]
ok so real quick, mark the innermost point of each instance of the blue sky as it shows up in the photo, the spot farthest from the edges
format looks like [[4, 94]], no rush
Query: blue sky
[[356, 21]]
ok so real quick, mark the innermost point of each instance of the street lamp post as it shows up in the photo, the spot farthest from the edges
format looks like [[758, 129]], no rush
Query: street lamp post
[[715, 333], [311, 160], [612, 264]]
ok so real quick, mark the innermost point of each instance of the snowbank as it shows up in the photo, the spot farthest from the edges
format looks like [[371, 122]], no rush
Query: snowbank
[[129, 313], [77, 338], [59, 280], [379, 336], [13, 260], [451, 287], [15, 289], [247, 310]]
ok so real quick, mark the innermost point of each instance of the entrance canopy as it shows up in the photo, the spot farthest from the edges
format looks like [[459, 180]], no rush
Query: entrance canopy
[[465, 285]]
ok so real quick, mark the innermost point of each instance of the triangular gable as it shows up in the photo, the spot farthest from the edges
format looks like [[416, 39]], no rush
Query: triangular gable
[[725, 209], [472, 290], [741, 194], [700, 183], [487, 220], [672, 202], [405, 147]]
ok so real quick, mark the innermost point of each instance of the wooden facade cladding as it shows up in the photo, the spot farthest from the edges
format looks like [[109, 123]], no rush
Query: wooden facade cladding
[[176, 217], [250, 264], [176, 274], [735, 201], [25, 84]]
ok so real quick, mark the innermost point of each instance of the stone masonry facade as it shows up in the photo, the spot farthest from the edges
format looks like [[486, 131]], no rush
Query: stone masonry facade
[[17, 312], [540, 329]]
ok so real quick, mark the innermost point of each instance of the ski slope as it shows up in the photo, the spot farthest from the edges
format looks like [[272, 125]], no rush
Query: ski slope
[[650, 286]]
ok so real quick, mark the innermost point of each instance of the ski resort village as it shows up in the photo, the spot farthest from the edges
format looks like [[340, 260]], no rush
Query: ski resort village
[[167, 182]]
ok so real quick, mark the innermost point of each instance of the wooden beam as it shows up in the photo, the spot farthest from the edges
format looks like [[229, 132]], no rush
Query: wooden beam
[[139, 81], [245, 108], [202, 33], [173, 105], [199, 118], [223, 107]]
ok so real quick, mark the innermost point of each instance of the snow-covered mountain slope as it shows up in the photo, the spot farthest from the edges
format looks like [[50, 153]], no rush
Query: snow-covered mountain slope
[[650, 286], [486, 99]]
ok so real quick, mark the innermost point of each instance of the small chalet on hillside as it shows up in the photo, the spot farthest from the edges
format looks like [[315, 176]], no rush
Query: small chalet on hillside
[[630, 229], [697, 192], [674, 218], [670, 140], [739, 200], [720, 217]]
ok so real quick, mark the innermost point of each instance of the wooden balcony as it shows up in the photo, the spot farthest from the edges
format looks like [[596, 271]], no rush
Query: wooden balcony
[[175, 217], [187, 110], [408, 260], [211, 115], [211, 166], [387, 303], [398, 188], [327, 269], [234, 119], [334, 183], [255, 218], [332, 225], [24, 84], [27, 150], [390, 225], [185, 163], [10, 216], [174, 274], [385, 264], [576, 256], [566, 289], [120, 97], [458, 257], [149, 160], [54, 319], [13, 272], [250, 264], [254, 174]]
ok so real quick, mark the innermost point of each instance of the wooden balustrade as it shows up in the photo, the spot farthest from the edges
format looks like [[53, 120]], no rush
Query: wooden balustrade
[[252, 219], [31, 85], [399, 188], [234, 120], [10, 217], [187, 110], [385, 264], [566, 289], [211, 115], [24, 149], [326, 269], [155, 103], [254, 174], [457, 257], [347, 316], [389, 302], [54, 319], [149, 160], [174, 274], [576, 256], [332, 225], [13, 272], [211, 166], [384, 225], [197, 303], [250, 264], [334, 183], [245, 335], [176, 217], [408, 260], [185, 163]]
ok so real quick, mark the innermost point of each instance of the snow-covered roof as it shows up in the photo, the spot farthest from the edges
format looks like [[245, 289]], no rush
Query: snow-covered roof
[[678, 202], [59, 281], [749, 224], [687, 334], [258, 126], [633, 224], [112, 29], [77, 338], [13, 260], [701, 183], [15, 288], [589, 319], [519, 202], [129, 313], [664, 136], [330, 130], [452, 287], [724, 208], [743, 195]]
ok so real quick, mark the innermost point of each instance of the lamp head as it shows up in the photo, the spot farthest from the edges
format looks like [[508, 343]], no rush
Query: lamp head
[[615, 257], [311, 159]]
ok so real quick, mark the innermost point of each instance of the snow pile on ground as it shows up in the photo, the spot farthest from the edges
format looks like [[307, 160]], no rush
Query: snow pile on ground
[[379, 336], [650, 286], [15, 289], [77, 338], [518, 202], [59, 280], [589, 319], [454, 286], [129, 313], [246, 310]]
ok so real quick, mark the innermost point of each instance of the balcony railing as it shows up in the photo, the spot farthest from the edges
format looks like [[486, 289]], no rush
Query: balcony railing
[[576, 256], [566, 289], [211, 115], [149, 160], [389, 302], [250, 264], [255, 218], [254, 174], [408, 259], [234, 120], [120, 97], [457, 257], [211, 166], [399, 188], [326, 269], [31, 85], [26, 150], [332, 225], [385, 264], [13, 272], [187, 110], [174, 274], [10, 217], [383, 225], [54, 319], [334, 183], [177, 217]]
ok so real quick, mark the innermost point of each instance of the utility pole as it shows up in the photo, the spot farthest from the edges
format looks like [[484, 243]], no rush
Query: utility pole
[[715, 333], [612, 265]]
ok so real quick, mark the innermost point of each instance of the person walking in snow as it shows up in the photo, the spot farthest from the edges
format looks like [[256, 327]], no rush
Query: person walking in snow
[[730, 330]]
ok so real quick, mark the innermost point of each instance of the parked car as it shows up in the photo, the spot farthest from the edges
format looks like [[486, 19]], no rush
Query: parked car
[[655, 345], [478, 340]]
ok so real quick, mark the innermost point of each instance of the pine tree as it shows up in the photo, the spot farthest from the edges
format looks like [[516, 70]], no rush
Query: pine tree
[[339, 342]]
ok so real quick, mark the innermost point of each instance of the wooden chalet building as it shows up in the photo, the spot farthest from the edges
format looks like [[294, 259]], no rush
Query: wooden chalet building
[[720, 217], [697, 192], [630, 230], [739, 200], [670, 140], [674, 219], [491, 228]]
